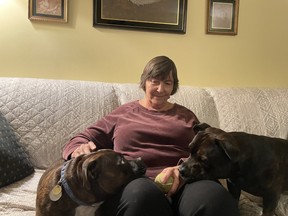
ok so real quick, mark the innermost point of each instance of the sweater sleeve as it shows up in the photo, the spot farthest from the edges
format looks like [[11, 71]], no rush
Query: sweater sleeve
[[101, 133]]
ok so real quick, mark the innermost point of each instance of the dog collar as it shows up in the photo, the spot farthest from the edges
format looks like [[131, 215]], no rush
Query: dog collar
[[66, 187]]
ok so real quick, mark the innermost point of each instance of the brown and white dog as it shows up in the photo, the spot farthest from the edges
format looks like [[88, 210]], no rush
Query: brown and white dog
[[84, 181], [255, 164]]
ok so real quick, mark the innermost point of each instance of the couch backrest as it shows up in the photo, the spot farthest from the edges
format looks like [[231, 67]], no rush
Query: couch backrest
[[262, 111], [45, 113]]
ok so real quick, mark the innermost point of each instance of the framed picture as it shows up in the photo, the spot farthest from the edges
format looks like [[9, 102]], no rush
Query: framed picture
[[154, 15], [222, 17], [48, 10]]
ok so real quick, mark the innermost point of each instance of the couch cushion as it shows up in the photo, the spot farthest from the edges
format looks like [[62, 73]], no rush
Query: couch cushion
[[19, 198], [261, 111], [200, 102], [127, 92], [47, 113], [14, 162]]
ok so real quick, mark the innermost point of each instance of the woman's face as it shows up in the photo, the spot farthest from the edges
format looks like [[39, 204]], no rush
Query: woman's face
[[158, 91]]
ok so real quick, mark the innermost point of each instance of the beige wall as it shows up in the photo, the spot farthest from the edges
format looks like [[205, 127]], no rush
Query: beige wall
[[257, 56]]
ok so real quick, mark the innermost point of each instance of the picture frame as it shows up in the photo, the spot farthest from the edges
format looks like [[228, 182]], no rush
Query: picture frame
[[222, 17], [151, 15], [48, 10]]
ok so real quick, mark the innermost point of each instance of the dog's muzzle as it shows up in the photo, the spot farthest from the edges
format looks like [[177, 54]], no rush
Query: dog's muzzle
[[183, 172], [138, 166]]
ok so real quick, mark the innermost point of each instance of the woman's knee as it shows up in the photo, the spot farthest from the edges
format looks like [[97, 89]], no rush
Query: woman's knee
[[140, 197], [142, 194], [141, 187], [206, 198]]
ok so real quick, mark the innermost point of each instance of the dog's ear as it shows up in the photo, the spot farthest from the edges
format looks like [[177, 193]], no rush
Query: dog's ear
[[197, 141], [200, 127], [89, 173], [231, 151]]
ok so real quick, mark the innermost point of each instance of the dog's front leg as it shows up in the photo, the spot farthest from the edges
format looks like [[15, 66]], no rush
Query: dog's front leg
[[270, 202], [233, 189]]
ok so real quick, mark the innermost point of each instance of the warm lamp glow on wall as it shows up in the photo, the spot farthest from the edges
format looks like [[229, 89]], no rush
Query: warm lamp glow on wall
[[4, 2]]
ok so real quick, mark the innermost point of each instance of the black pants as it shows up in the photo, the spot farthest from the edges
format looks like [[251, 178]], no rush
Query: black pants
[[142, 197]]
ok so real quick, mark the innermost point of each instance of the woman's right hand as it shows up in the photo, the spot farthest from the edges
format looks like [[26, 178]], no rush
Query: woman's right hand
[[84, 148]]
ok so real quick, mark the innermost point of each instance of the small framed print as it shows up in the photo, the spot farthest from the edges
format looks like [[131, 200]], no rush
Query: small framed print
[[48, 10], [222, 17], [153, 15]]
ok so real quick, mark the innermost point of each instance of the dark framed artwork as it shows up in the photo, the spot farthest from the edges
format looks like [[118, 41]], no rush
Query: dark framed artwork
[[154, 15], [222, 17], [48, 10]]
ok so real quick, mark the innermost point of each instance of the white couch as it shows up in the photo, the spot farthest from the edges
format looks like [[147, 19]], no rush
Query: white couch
[[45, 114]]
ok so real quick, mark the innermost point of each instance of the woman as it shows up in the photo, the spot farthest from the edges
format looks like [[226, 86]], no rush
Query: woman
[[159, 132]]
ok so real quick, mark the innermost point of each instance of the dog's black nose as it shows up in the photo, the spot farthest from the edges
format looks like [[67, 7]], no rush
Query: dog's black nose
[[181, 170], [138, 166]]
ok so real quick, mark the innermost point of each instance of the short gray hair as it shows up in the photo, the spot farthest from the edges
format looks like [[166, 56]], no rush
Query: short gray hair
[[160, 67]]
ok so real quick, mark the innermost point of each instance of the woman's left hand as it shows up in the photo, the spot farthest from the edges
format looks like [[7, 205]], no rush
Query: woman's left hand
[[177, 181]]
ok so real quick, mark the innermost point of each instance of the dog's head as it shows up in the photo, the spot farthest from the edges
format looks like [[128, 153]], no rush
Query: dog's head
[[213, 154], [104, 172]]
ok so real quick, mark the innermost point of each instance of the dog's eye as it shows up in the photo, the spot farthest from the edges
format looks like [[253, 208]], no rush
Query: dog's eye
[[94, 175], [121, 161], [204, 158], [92, 171], [204, 161], [196, 166]]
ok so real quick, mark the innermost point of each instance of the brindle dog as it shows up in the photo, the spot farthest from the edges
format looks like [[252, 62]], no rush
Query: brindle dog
[[255, 164], [85, 180]]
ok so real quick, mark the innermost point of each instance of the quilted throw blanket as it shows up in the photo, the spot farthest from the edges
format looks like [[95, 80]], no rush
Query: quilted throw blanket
[[18, 199]]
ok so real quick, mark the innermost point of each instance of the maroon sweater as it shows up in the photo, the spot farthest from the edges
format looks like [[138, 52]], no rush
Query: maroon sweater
[[159, 138]]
